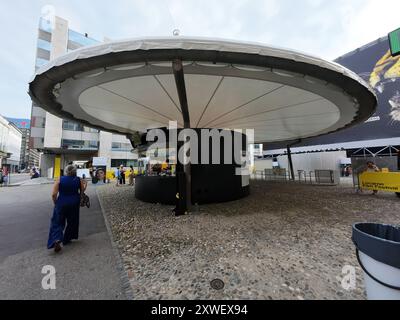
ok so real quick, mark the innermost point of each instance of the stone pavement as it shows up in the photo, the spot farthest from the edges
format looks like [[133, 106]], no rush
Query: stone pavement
[[284, 241], [87, 269]]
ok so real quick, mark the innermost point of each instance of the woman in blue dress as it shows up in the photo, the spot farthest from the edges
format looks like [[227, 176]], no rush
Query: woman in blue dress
[[65, 221]]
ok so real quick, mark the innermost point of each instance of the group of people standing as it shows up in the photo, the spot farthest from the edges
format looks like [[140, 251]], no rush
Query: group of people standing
[[121, 173]]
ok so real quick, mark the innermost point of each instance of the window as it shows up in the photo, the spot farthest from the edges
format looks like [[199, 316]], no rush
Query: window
[[72, 126], [43, 44], [42, 54], [41, 62], [45, 25], [71, 143], [93, 144], [43, 35], [91, 130], [117, 146], [117, 162], [38, 122], [126, 163], [133, 163], [79, 144]]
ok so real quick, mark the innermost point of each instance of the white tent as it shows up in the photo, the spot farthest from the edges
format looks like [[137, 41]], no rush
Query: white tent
[[129, 86]]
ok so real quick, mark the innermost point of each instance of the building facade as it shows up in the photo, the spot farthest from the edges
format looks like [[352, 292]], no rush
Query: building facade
[[62, 141], [10, 145], [29, 157]]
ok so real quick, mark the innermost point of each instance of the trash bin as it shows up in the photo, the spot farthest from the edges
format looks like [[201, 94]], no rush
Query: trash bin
[[378, 253]]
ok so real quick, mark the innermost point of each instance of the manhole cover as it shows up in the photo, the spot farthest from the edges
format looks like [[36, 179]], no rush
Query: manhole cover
[[217, 284]]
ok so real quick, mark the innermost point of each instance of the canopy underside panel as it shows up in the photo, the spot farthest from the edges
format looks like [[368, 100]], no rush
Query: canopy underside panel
[[272, 109]]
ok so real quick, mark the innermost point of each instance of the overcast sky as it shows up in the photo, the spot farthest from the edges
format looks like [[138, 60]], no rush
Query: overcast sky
[[326, 28]]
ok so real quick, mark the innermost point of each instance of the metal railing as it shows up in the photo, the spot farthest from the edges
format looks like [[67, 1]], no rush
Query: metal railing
[[317, 177]]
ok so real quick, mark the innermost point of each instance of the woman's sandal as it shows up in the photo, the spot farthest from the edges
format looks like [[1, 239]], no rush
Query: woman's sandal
[[57, 247]]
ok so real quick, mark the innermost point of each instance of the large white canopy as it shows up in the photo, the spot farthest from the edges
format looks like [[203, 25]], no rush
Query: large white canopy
[[129, 86]]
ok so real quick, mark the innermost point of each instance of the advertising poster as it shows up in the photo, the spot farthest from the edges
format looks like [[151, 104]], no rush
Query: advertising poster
[[99, 170], [377, 67]]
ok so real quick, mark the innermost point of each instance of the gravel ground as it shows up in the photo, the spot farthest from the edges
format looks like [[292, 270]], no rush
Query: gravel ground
[[285, 241]]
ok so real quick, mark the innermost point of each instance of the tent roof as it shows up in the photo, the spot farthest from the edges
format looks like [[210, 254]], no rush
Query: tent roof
[[129, 86]]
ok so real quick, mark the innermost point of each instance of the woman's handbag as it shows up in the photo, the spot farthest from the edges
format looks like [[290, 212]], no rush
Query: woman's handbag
[[85, 200]]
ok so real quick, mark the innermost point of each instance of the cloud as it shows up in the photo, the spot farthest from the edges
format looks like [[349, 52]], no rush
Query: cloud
[[373, 20]]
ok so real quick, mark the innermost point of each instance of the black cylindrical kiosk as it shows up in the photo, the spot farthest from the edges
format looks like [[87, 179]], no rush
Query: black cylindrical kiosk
[[210, 183]]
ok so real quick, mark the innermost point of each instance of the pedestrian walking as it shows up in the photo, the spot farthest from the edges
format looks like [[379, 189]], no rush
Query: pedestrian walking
[[65, 221], [122, 175]]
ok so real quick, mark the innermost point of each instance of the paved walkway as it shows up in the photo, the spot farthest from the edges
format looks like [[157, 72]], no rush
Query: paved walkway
[[85, 270], [18, 178]]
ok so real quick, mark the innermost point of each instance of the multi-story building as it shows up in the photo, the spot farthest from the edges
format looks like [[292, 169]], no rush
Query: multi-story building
[[29, 157], [62, 141], [10, 145]]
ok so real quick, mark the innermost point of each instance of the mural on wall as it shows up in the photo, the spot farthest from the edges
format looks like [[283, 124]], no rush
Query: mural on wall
[[375, 65], [385, 75]]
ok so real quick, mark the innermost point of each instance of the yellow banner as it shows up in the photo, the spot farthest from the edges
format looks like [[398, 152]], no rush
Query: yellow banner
[[57, 167], [380, 181]]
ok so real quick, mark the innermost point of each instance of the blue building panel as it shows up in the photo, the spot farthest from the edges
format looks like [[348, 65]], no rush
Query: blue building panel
[[21, 123]]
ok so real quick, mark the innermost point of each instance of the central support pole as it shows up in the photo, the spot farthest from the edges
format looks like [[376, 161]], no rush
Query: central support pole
[[181, 89], [290, 160]]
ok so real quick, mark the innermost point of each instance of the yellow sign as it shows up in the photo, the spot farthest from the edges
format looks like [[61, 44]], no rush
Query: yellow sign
[[380, 181], [111, 173], [57, 167]]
